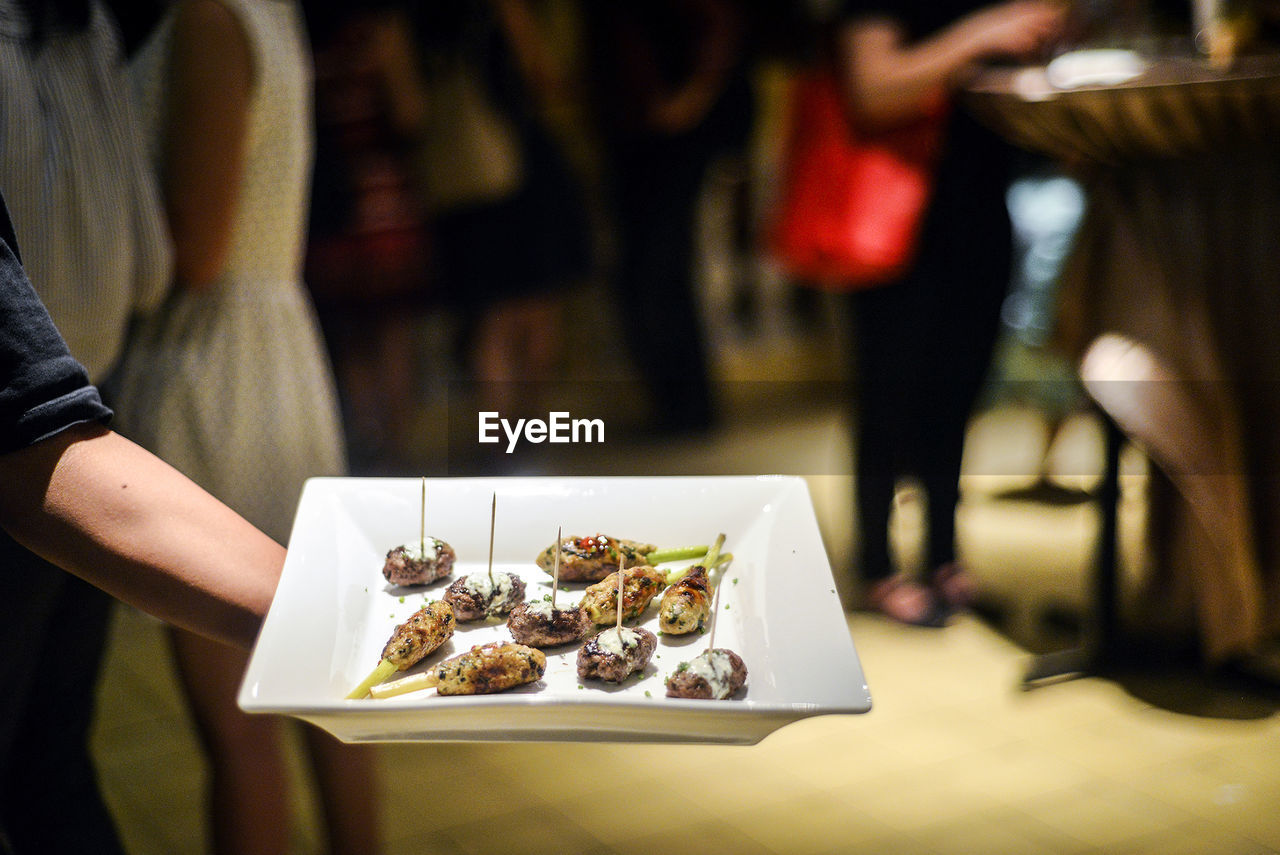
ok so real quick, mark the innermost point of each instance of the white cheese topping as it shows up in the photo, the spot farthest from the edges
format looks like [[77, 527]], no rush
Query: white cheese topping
[[479, 584], [496, 592], [541, 608], [617, 643], [504, 592], [716, 668], [423, 551]]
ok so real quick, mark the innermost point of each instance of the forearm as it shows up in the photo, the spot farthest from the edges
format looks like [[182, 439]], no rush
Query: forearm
[[890, 81], [891, 78], [106, 510]]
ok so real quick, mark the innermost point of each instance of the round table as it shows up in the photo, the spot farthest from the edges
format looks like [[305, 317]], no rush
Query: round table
[[1171, 306]]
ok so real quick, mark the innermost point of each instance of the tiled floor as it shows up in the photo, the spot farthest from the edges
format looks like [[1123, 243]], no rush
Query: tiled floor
[[954, 758]]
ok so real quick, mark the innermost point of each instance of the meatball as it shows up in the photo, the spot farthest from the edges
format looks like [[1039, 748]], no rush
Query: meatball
[[715, 674], [414, 564], [614, 654]]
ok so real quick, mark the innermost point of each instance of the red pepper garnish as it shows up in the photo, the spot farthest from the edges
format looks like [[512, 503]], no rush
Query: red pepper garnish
[[594, 544]]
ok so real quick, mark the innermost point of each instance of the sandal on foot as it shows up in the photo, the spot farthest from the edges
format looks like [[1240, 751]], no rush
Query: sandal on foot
[[905, 602], [954, 586]]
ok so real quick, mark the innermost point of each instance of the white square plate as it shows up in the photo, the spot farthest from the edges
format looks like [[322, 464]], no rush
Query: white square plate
[[333, 611]]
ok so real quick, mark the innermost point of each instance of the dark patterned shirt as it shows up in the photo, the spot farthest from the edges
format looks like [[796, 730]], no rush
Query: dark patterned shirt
[[43, 390]]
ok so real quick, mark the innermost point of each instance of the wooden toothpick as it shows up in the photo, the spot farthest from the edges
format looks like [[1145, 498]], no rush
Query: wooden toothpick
[[622, 578], [555, 573], [422, 523], [493, 516]]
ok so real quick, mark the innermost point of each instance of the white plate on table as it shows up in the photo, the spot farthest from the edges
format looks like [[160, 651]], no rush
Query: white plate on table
[[333, 611], [1095, 67]]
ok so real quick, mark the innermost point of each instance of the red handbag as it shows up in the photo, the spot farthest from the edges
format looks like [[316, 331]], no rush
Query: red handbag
[[851, 203]]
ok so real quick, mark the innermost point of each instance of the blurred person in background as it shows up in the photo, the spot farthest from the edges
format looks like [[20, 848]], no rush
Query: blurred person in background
[[229, 381], [74, 171], [368, 252], [923, 344], [509, 226], [672, 92]]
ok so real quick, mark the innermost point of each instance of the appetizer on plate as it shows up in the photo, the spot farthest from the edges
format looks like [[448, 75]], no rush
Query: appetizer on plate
[[422, 563], [480, 595], [686, 603], [422, 634], [482, 670], [641, 584], [590, 559], [541, 624], [427, 561], [714, 674], [614, 654]]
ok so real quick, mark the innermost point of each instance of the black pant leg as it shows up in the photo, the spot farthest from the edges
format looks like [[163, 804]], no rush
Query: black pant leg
[[885, 366], [657, 193], [52, 801]]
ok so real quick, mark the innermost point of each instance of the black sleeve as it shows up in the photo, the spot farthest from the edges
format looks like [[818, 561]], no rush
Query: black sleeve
[[43, 390]]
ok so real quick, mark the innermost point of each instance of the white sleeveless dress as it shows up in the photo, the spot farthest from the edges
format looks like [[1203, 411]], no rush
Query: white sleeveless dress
[[233, 386]]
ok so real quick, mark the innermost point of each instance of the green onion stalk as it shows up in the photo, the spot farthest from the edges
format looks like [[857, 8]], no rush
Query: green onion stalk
[[711, 559]]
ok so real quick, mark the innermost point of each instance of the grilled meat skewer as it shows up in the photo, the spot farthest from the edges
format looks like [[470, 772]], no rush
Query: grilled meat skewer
[[477, 595], [423, 633], [419, 564], [714, 674], [686, 604], [642, 583], [490, 668], [590, 559], [482, 670]]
